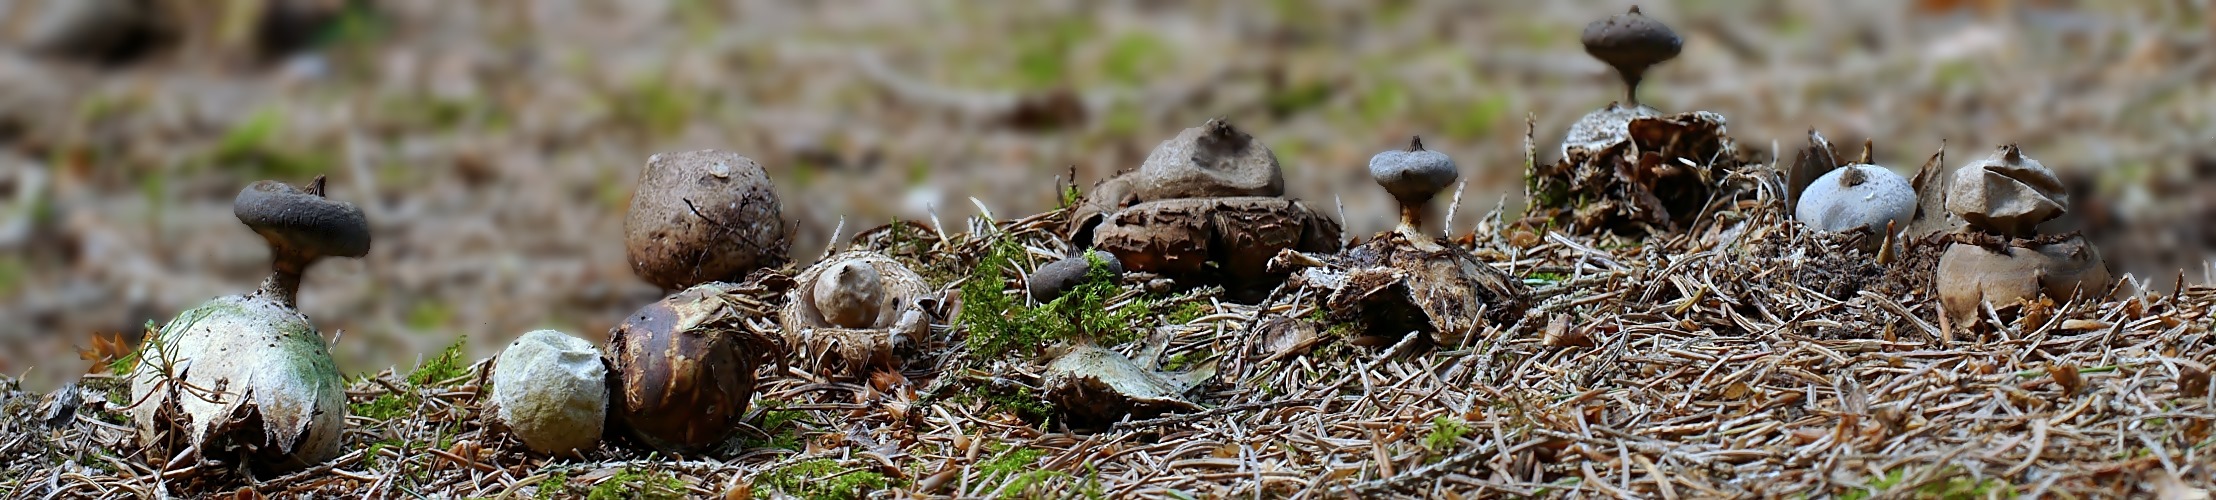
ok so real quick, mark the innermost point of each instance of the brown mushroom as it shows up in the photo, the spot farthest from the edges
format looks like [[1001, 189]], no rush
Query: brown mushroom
[[1227, 240], [682, 369], [2003, 274], [701, 216], [301, 227], [1631, 42], [2007, 193], [1211, 160]]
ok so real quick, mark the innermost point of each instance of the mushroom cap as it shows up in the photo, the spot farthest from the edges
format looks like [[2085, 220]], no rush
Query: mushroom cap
[[2007, 193], [1214, 159], [1631, 41], [300, 223], [849, 294], [1413, 175], [1858, 195], [701, 216], [1970, 274], [1050, 281]]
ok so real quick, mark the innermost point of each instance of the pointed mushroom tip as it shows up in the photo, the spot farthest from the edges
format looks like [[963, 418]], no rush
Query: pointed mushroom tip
[[1415, 143], [2012, 153], [1866, 154], [1634, 9]]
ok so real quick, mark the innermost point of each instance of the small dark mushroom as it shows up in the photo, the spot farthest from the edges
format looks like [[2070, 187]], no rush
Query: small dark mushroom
[[1631, 42], [1052, 280], [301, 226], [701, 216], [1413, 176]]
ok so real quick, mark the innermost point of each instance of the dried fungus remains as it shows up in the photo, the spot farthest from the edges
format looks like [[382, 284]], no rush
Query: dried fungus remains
[[1095, 386], [2002, 261], [1660, 177], [856, 310], [1394, 285]]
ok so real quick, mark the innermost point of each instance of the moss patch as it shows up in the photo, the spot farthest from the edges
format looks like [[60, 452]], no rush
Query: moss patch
[[823, 478], [635, 483], [1000, 324]]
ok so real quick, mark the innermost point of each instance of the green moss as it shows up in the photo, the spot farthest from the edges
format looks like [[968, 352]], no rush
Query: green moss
[[447, 365], [1023, 402], [1189, 311], [633, 483], [556, 485], [1957, 486], [823, 478], [782, 426], [1445, 433], [1134, 56], [1008, 462], [1000, 324]]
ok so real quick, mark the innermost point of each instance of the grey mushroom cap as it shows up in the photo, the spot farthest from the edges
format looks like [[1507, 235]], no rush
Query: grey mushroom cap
[[1413, 175], [302, 224], [1052, 280], [1631, 41], [1857, 196]]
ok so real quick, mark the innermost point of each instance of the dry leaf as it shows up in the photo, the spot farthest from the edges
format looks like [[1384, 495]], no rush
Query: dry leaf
[[2066, 376]]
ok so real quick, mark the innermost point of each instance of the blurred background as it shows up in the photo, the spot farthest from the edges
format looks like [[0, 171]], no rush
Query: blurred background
[[493, 145]]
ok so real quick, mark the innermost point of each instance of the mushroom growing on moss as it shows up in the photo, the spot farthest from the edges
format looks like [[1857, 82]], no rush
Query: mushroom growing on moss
[[1050, 281], [277, 400], [683, 368], [701, 216], [855, 310], [2002, 260]]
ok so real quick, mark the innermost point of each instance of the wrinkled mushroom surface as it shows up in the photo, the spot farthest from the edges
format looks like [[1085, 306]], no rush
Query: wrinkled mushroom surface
[[1972, 273], [701, 216], [874, 317], [1857, 196], [1096, 386], [1214, 159], [683, 369], [2007, 193], [1180, 238], [279, 400], [551, 390]]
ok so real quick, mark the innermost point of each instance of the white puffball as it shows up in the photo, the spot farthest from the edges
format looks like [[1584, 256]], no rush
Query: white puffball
[[1857, 195], [551, 390]]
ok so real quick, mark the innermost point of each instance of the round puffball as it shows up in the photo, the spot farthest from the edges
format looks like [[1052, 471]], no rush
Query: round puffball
[[551, 390], [1855, 196]]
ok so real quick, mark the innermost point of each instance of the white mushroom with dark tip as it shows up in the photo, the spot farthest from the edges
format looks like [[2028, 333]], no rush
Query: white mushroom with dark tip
[[1857, 196], [551, 390], [278, 400]]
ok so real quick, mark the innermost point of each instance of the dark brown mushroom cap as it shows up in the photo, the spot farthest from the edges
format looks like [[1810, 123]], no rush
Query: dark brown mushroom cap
[[1631, 41], [302, 225]]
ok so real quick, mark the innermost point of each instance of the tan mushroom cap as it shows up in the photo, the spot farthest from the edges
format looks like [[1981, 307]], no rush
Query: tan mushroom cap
[[2007, 193]]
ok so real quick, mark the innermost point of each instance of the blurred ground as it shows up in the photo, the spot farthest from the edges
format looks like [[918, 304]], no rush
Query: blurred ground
[[493, 145]]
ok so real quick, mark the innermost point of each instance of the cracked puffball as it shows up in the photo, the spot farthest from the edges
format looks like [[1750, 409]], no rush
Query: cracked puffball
[[2001, 260], [277, 399], [1094, 386], [702, 216], [1989, 270], [1631, 42], [1608, 126], [551, 390], [2007, 193], [1857, 196], [683, 368], [1215, 240], [1413, 177], [855, 310]]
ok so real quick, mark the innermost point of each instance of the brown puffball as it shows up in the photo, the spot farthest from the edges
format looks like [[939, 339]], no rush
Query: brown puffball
[[849, 294], [854, 311], [702, 216], [682, 370], [2004, 274]]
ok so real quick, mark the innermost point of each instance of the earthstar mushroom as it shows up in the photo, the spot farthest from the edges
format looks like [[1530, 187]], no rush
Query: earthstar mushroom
[[1631, 42], [1413, 177]]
